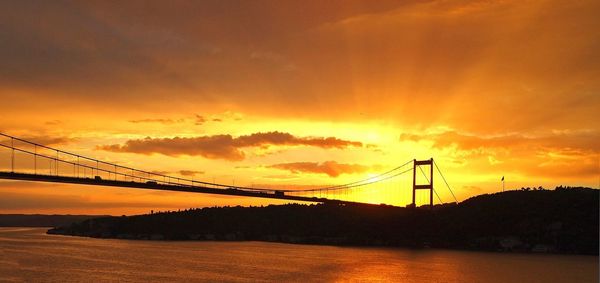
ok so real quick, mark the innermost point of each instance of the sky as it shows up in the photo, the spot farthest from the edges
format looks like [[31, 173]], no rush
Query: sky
[[296, 94]]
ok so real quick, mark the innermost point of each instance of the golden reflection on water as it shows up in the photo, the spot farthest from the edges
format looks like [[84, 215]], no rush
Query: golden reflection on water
[[27, 254]]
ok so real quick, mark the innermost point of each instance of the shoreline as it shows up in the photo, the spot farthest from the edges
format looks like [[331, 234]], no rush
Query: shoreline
[[313, 243], [561, 221]]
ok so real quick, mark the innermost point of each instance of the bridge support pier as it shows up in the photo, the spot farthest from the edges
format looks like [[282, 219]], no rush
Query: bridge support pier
[[429, 186]]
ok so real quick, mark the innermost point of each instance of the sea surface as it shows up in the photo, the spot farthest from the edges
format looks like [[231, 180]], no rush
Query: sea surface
[[28, 254]]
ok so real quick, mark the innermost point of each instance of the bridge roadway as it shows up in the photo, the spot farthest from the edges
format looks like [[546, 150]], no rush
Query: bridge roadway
[[165, 187]]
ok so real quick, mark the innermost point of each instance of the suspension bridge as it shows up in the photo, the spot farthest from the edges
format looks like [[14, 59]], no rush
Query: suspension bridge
[[25, 160]]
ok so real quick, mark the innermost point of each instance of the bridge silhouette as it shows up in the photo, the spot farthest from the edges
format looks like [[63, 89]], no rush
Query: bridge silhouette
[[25, 160]]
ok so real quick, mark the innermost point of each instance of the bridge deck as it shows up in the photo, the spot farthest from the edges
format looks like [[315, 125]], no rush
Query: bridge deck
[[162, 187]]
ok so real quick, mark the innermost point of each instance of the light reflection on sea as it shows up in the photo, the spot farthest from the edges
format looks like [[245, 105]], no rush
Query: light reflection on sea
[[28, 254]]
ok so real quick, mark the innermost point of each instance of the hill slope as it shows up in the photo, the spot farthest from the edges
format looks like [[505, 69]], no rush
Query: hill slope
[[562, 220]]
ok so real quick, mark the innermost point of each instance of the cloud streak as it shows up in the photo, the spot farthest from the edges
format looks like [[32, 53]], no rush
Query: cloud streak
[[159, 121], [190, 173], [224, 146], [563, 155], [46, 140], [584, 140], [330, 168]]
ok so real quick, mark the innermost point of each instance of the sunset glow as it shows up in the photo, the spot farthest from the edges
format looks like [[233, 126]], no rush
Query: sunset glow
[[298, 95]]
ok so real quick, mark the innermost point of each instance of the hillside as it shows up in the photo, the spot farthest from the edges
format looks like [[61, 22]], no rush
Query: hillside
[[564, 220]]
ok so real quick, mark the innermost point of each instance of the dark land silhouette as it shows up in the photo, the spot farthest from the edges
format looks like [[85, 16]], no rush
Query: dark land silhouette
[[563, 220]]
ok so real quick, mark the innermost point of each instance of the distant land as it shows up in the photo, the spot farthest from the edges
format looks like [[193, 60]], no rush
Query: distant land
[[41, 220], [563, 220]]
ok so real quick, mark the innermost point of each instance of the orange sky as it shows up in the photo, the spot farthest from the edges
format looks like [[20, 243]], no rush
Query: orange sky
[[282, 93]]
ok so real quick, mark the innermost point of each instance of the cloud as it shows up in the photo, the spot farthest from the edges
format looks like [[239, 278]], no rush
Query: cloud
[[280, 177], [211, 147], [190, 173], [197, 120], [224, 146], [584, 140], [187, 173], [200, 119], [46, 140], [280, 138], [160, 121], [557, 155], [53, 122], [387, 59], [480, 67], [331, 168]]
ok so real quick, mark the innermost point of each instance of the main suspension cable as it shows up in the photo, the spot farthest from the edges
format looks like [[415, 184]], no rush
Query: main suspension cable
[[366, 181], [443, 178]]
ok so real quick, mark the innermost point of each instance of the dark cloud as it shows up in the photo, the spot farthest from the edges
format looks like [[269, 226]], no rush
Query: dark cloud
[[280, 138], [191, 47], [190, 173], [224, 146], [386, 59], [331, 168], [65, 46], [212, 147], [200, 120]]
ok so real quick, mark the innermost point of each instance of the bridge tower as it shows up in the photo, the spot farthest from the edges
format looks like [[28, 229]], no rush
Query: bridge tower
[[417, 163]]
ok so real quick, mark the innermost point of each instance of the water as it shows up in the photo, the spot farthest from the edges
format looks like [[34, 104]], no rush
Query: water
[[28, 254]]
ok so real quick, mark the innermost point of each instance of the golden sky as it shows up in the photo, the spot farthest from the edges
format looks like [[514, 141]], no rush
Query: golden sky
[[301, 93]]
